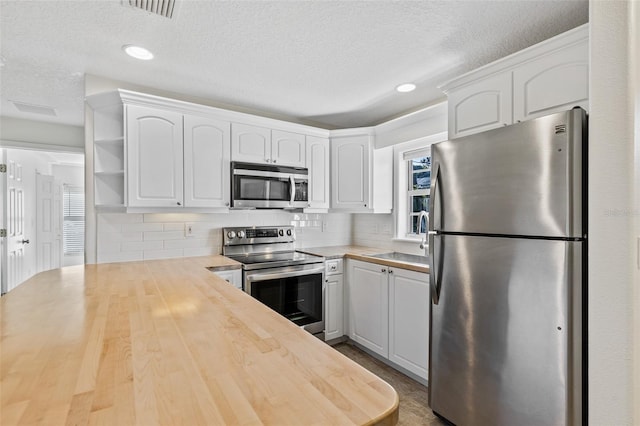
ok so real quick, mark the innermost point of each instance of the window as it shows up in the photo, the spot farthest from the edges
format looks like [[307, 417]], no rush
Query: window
[[413, 184], [419, 184], [73, 219]]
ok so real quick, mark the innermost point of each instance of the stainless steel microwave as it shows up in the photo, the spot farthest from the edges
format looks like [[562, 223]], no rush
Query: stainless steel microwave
[[265, 186]]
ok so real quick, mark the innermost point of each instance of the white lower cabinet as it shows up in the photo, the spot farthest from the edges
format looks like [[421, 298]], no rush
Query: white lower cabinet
[[333, 307], [233, 276], [409, 320], [389, 313], [368, 289]]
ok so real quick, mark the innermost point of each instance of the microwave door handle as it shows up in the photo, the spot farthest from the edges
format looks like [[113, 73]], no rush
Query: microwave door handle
[[293, 189]]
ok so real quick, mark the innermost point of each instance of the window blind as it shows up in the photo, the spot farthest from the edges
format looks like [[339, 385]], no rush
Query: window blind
[[73, 219]]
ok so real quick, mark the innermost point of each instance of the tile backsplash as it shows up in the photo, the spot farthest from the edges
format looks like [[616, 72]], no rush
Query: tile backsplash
[[137, 236]]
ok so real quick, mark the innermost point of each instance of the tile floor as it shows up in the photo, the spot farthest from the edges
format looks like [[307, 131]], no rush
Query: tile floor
[[414, 409]]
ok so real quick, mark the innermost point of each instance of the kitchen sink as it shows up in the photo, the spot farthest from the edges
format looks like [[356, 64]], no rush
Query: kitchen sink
[[403, 257]]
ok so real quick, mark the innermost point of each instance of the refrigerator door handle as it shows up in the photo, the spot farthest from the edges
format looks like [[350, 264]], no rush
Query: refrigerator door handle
[[434, 278], [432, 199]]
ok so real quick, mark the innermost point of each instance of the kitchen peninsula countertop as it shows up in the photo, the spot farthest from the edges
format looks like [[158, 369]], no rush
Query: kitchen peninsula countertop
[[168, 342], [364, 254]]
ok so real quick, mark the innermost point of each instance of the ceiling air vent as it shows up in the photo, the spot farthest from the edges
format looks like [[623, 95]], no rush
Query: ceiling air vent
[[159, 7], [34, 109]]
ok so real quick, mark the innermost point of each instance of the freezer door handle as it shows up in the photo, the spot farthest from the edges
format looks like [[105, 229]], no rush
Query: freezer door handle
[[432, 199], [434, 262]]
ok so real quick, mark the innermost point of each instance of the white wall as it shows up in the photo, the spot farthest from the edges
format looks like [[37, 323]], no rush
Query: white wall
[[126, 237], [612, 269], [70, 174], [18, 132]]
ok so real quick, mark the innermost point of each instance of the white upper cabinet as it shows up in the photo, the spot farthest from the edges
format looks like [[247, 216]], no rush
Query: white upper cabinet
[[350, 162], [206, 162], [482, 106], [288, 148], [154, 157], [254, 144], [361, 176], [317, 152], [554, 82], [251, 144], [548, 77]]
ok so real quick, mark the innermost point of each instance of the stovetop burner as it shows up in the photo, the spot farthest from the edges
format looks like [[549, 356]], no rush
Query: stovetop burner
[[273, 260]]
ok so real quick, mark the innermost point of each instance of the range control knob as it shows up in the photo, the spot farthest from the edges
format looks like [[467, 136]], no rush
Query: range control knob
[[289, 232], [281, 232], [240, 234], [231, 234]]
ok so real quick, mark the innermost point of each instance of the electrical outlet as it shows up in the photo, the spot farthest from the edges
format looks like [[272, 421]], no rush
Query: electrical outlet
[[188, 229]]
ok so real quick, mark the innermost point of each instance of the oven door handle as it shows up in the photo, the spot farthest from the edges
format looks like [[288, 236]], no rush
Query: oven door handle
[[278, 275]]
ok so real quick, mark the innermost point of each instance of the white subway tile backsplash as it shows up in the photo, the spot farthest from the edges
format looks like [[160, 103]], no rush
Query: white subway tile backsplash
[[142, 245], [124, 236], [119, 236], [163, 235], [187, 243], [141, 227]]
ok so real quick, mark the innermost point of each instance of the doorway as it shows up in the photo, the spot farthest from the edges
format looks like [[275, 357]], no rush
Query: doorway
[[32, 213]]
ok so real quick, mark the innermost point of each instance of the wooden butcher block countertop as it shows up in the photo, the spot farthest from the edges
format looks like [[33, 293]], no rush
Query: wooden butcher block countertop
[[168, 342]]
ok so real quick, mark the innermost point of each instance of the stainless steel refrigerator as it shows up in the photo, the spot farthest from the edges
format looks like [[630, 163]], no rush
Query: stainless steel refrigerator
[[507, 242]]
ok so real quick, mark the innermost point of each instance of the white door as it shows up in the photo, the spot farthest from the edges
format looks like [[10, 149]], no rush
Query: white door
[[16, 238], [207, 145], [48, 222], [333, 308]]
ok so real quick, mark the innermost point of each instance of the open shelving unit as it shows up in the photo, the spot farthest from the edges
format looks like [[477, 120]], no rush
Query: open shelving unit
[[108, 150]]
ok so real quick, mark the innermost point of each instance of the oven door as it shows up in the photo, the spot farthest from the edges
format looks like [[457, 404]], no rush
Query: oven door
[[296, 292]]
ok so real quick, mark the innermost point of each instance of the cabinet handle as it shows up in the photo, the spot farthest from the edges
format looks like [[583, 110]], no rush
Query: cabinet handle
[[391, 271], [179, 203], [226, 204], [365, 205], [266, 160], [273, 161], [383, 270]]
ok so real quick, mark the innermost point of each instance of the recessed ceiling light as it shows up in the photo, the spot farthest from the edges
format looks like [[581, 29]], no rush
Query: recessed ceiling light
[[406, 87], [137, 52]]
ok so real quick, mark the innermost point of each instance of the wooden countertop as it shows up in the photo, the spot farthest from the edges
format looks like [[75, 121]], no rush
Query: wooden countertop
[[364, 254], [168, 342]]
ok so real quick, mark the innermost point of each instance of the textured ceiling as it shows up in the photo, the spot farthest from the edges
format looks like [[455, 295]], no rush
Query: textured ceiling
[[330, 63]]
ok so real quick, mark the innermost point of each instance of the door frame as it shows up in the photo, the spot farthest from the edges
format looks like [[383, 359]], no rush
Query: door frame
[[27, 146]]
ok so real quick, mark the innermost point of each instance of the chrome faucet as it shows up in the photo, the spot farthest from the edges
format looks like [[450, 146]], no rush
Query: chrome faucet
[[423, 243]]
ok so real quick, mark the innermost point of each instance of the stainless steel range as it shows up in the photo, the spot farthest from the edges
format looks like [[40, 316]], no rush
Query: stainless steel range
[[289, 282]]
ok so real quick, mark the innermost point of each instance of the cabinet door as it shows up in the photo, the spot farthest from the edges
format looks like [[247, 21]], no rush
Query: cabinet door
[[369, 306], [154, 157], [207, 145], [333, 307], [288, 149], [318, 164], [250, 143], [552, 83], [480, 106], [350, 162], [409, 320]]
